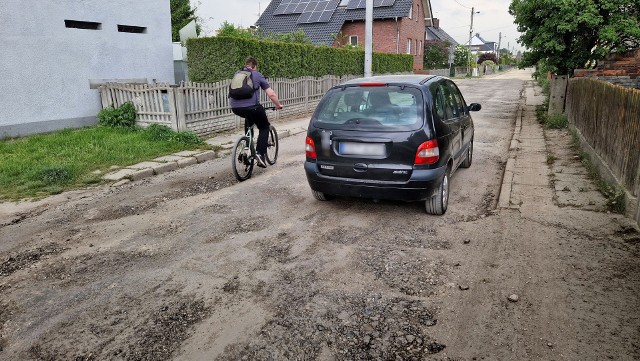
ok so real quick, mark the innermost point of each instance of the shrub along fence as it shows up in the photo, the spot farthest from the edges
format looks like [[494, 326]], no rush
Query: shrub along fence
[[203, 108], [607, 117], [214, 59]]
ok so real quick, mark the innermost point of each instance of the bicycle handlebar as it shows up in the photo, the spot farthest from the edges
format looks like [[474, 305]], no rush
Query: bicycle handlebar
[[270, 108]]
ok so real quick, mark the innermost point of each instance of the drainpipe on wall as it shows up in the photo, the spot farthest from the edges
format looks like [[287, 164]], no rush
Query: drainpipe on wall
[[397, 36]]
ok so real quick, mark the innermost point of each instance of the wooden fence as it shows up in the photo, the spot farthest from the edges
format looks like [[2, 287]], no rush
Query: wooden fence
[[608, 117], [204, 108]]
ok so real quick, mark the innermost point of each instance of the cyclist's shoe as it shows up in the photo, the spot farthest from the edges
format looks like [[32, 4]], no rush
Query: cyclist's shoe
[[260, 161]]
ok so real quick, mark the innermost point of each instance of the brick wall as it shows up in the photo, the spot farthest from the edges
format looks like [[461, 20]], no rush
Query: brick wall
[[620, 69], [386, 34]]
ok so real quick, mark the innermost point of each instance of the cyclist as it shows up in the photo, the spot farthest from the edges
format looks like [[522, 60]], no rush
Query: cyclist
[[253, 112]]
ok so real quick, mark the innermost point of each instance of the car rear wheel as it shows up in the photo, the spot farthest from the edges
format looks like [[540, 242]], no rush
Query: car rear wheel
[[438, 204], [469, 158], [320, 196]]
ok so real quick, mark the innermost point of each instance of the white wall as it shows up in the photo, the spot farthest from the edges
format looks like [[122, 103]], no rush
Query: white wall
[[46, 68]]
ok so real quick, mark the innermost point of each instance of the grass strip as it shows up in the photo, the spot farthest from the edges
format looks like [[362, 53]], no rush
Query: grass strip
[[45, 164]]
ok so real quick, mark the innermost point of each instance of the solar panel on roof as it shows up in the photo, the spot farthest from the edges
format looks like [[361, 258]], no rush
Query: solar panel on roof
[[361, 4], [299, 7], [356, 4], [302, 6], [281, 9], [318, 11], [304, 18]]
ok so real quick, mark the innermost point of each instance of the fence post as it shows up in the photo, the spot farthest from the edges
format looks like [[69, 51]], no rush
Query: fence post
[[179, 107], [306, 93], [558, 94], [172, 108]]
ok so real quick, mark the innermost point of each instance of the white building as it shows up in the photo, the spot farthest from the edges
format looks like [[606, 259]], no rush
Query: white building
[[54, 54]]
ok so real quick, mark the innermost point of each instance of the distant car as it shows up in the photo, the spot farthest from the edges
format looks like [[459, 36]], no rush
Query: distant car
[[390, 137]]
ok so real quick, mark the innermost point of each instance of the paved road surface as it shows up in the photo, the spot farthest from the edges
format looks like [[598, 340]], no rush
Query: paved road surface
[[192, 265]]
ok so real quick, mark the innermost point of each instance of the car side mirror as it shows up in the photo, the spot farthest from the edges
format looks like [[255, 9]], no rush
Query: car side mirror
[[474, 107]]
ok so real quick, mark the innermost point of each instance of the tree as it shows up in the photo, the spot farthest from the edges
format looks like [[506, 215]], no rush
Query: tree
[[569, 34], [230, 30], [181, 15], [461, 56], [487, 56], [436, 55]]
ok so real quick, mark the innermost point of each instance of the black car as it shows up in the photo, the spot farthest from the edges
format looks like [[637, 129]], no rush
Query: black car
[[390, 137]]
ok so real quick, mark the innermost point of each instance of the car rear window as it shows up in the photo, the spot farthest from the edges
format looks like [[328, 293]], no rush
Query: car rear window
[[381, 108]]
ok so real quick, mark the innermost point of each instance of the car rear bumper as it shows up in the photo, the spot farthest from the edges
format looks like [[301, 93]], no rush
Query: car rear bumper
[[422, 185]]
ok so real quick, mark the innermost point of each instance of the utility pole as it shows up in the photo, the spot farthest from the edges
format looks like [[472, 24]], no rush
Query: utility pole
[[499, 41], [368, 38], [470, 36]]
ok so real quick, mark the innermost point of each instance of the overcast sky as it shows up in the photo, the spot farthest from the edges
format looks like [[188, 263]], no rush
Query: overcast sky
[[454, 15]]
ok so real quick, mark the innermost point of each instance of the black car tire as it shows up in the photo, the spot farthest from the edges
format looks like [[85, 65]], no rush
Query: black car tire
[[437, 205], [320, 196], [469, 158]]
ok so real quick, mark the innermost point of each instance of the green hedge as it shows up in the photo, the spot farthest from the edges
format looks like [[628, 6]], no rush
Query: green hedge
[[217, 58]]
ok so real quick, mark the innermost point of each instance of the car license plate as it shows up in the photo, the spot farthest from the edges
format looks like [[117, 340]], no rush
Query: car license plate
[[353, 148]]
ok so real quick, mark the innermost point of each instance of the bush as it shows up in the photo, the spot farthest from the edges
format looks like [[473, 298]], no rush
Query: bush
[[615, 198], [487, 57], [122, 117], [556, 121], [157, 132], [436, 55], [186, 138], [218, 58]]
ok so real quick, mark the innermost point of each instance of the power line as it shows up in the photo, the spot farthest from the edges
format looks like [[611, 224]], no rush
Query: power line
[[464, 6]]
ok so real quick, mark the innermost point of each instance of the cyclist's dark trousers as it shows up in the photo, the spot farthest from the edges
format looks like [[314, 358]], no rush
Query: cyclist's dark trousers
[[256, 115]]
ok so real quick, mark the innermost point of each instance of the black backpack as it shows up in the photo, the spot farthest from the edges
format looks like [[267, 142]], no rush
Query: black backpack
[[241, 86]]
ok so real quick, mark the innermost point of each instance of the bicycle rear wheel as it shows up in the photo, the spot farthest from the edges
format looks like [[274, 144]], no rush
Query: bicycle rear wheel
[[242, 160], [273, 145]]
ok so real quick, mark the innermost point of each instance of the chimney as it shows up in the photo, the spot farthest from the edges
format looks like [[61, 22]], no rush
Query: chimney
[[436, 22]]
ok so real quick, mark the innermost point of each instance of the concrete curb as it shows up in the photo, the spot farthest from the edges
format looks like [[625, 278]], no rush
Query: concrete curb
[[141, 174], [164, 168], [158, 166], [515, 141], [171, 162], [504, 198]]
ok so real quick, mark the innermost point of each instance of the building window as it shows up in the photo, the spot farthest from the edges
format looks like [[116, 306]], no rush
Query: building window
[[87, 25], [415, 42], [411, 11], [408, 46], [420, 48], [132, 29], [353, 40]]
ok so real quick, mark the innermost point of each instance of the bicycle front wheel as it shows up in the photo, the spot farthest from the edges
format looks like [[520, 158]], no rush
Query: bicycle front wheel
[[273, 145], [242, 160]]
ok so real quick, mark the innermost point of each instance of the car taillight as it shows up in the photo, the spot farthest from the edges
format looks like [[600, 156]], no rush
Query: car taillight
[[428, 152], [310, 148]]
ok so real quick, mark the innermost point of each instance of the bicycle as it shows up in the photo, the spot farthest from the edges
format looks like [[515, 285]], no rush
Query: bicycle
[[244, 152]]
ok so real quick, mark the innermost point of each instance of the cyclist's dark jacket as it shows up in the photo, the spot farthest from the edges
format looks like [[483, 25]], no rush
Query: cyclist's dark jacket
[[258, 82]]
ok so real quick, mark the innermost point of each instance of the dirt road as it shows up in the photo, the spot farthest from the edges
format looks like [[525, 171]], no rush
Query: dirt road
[[191, 265]]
